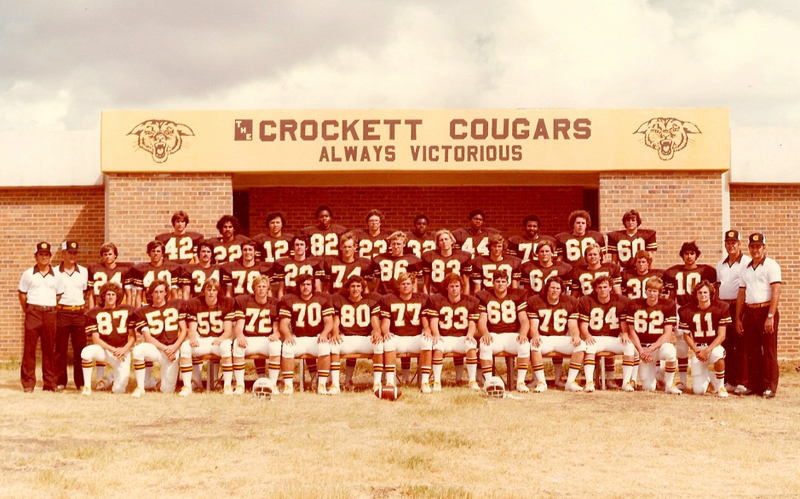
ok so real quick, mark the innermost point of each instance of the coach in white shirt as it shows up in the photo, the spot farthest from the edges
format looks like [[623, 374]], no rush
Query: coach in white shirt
[[70, 319], [729, 271]]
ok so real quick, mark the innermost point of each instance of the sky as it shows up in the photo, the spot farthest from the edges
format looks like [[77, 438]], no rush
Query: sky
[[61, 63]]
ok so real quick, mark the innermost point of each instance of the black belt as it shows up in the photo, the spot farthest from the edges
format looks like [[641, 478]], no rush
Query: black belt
[[701, 345], [41, 308]]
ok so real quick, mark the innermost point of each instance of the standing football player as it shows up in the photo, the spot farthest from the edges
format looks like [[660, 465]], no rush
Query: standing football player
[[372, 241], [306, 322], [419, 240], [570, 246], [524, 246], [238, 276], [503, 326], [703, 326], [180, 245], [255, 332], [584, 275], [634, 280], [336, 270], [194, 275], [324, 237], [113, 334], [475, 238], [536, 272], [288, 269], [453, 318], [387, 267], [484, 267], [143, 274], [163, 328], [679, 280], [651, 325], [274, 244], [623, 245], [227, 247], [107, 270]]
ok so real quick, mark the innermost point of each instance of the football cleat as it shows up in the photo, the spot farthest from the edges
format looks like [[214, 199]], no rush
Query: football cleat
[[263, 389], [473, 385], [425, 388], [680, 386], [437, 386], [574, 387], [239, 390], [589, 388], [628, 387], [388, 392], [185, 391], [673, 390], [288, 388], [137, 392], [321, 389], [541, 387], [729, 387], [722, 392], [522, 387], [227, 390], [334, 390], [86, 390], [102, 386], [376, 387], [494, 387]]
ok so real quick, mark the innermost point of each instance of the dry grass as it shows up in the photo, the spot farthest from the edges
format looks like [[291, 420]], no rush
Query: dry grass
[[452, 445]]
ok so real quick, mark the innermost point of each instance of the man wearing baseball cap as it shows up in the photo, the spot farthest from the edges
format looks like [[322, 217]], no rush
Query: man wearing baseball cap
[[729, 271], [757, 318], [38, 295], [70, 319]]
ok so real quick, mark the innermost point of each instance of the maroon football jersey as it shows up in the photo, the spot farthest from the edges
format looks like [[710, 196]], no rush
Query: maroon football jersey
[[306, 316], [483, 269], [571, 248], [369, 245], [405, 316], [355, 318], [143, 274], [648, 321], [180, 248], [453, 318], [195, 276], [163, 323], [582, 277], [336, 273], [436, 267], [534, 275], [111, 324], [524, 248], [387, 268], [419, 244], [288, 269], [239, 277], [681, 281], [99, 274], [472, 243], [230, 250], [604, 319], [633, 284], [553, 319], [626, 246], [259, 318], [269, 248], [501, 313], [210, 319], [703, 324], [324, 242]]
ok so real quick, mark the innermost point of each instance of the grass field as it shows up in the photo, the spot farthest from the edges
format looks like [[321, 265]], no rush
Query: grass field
[[451, 445]]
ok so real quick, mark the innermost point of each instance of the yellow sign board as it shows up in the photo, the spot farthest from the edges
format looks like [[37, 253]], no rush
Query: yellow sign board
[[444, 139]]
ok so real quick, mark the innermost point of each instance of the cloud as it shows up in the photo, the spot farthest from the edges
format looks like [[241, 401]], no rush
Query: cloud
[[60, 66]]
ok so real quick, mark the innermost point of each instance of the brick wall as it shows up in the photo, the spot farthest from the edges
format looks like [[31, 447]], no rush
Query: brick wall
[[446, 207], [681, 206], [42, 214], [140, 206], [773, 211]]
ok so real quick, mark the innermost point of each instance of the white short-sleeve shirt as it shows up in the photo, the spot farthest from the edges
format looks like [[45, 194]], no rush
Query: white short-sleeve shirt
[[729, 276], [757, 280], [41, 289]]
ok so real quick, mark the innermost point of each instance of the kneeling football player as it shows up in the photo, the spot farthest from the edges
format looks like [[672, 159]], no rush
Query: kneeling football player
[[405, 330], [503, 326], [453, 320], [554, 328], [651, 322], [306, 322], [113, 335], [162, 325], [209, 319], [255, 332], [703, 325], [356, 330]]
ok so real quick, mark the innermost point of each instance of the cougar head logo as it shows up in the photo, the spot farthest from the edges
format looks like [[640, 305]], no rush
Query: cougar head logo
[[667, 135], [161, 137]]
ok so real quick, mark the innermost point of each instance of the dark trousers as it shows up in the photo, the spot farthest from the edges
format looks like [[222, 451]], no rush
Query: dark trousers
[[735, 357], [762, 350], [70, 326], [42, 325]]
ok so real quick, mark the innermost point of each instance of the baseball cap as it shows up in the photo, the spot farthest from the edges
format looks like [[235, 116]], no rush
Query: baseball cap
[[757, 238], [732, 235], [43, 247], [69, 245]]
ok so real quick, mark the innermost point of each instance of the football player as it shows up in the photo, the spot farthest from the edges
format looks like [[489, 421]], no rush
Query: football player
[[419, 240], [107, 270], [536, 272], [679, 280], [475, 238], [288, 269], [372, 241], [601, 320], [163, 328], [274, 244], [356, 330], [180, 245], [238, 276], [306, 322], [570, 246], [651, 324], [436, 264], [143, 274], [387, 267], [404, 328], [111, 326], [453, 318], [634, 280], [703, 326], [584, 275], [554, 328], [623, 245], [194, 275], [209, 319], [324, 237], [524, 246], [336, 270], [483, 267], [227, 247], [255, 333], [503, 326]]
